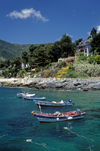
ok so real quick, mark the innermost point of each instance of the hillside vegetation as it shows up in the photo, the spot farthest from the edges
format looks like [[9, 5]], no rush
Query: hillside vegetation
[[11, 51], [42, 60]]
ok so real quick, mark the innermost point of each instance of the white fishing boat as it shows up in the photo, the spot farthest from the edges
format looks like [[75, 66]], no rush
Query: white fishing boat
[[21, 95], [33, 98]]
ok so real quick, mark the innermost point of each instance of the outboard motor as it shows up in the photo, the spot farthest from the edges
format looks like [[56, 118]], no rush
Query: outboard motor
[[70, 100], [78, 112]]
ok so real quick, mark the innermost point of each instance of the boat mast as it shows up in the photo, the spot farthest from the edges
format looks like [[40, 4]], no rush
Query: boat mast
[[40, 108]]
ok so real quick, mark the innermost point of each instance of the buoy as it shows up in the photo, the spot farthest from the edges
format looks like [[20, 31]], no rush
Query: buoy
[[65, 128], [28, 140], [57, 119], [32, 112]]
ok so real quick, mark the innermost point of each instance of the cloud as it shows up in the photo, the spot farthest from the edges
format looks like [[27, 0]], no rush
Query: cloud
[[88, 33], [98, 29], [69, 35], [26, 13]]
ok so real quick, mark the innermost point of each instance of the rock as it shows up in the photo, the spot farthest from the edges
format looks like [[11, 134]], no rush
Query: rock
[[52, 83], [85, 89], [69, 87], [76, 84], [60, 85]]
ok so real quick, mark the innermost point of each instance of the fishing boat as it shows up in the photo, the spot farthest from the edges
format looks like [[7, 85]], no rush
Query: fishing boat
[[54, 103], [33, 98], [21, 94], [57, 116]]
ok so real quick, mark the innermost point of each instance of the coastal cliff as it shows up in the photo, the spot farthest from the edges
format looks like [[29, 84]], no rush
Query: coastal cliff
[[53, 83]]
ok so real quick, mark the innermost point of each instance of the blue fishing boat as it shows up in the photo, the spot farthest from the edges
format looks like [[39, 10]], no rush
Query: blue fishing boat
[[54, 103]]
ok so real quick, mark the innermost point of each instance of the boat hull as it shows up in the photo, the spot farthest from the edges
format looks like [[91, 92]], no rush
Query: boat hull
[[51, 104], [34, 98], [57, 119], [49, 119]]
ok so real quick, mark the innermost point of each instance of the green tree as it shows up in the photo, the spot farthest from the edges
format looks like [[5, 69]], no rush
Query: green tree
[[95, 43], [2, 64], [48, 47], [41, 57], [31, 49], [78, 41], [25, 57], [93, 32], [56, 51], [31, 62], [7, 63], [17, 64], [66, 45]]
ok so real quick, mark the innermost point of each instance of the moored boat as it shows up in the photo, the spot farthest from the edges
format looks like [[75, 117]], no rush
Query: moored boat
[[21, 94], [57, 116], [30, 95], [33, 98], [54, 103]]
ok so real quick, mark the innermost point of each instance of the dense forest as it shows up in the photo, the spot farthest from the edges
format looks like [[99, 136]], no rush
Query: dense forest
[[10, 51]]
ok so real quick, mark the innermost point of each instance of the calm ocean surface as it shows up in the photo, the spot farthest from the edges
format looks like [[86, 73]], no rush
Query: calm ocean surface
[[20, 131]]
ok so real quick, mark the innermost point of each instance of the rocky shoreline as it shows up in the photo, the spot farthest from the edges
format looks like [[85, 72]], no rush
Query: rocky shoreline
[[53, 83]]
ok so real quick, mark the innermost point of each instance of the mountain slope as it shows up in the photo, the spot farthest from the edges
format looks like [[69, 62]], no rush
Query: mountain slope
[[10, 51]]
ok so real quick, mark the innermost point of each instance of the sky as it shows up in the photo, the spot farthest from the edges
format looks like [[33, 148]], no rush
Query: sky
[[46, 21]]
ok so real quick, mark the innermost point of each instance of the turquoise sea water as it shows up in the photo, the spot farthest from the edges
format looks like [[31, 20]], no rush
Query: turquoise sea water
[[20, 131]]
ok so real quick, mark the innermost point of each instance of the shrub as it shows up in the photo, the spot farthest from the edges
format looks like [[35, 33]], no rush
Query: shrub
[[94, 58], [21, 73], [47, 66], [87, 70], [71, 74], [62, 72], [91, 59], [61, 64], [76, 54], [82, 58], [47, 73], [81, 53], [97, 59]]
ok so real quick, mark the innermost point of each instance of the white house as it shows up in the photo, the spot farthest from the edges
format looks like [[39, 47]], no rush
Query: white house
[[25, 66], [84, 46]]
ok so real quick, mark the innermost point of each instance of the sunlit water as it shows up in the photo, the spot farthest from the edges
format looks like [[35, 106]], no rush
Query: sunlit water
[[20, 131]]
